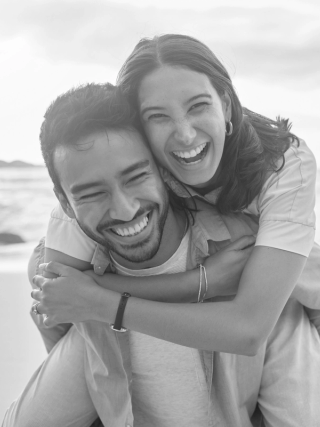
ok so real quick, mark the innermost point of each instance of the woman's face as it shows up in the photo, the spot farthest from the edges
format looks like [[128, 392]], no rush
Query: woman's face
[[184, 119]]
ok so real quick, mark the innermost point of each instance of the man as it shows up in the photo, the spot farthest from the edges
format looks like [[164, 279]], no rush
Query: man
[[106, 178]]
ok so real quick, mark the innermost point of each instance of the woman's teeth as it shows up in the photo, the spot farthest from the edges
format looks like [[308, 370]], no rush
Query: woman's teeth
[[132, 230], [192, 156]]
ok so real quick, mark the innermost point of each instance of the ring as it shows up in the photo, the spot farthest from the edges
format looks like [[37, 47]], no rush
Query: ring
[[45, 317], [35, 309]]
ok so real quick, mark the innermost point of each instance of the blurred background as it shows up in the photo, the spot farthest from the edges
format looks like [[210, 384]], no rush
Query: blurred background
[[270, 47]]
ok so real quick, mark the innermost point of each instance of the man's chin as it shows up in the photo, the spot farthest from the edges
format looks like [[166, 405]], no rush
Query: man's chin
[[137, 253]]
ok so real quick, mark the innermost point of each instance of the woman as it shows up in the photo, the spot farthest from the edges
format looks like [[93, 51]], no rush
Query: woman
[[229, 156]]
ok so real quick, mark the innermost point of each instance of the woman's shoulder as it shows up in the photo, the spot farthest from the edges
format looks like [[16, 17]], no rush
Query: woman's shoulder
[[297, 168], [300, 152]]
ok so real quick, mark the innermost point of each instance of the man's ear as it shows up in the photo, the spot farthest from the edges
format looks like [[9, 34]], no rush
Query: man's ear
[[227, 106], [64, 203]]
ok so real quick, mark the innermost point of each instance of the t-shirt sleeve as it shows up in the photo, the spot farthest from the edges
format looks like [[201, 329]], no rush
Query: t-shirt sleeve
[[286, 204], [65, 235]]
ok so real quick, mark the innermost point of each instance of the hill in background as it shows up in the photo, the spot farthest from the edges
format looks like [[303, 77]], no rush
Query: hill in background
[[17, 164]]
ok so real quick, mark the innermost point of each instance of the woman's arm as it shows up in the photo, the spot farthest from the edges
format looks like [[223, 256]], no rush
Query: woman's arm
[[221, 326], [224, 270], [53, 255]]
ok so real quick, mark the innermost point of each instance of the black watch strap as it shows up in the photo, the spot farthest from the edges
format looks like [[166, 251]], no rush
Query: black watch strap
[[117, 326]]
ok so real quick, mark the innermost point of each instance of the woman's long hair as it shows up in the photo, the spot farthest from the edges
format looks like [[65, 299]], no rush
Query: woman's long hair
[[256, 144]]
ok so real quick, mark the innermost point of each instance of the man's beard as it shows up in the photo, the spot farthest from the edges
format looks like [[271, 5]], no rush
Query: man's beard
[[140, 251]]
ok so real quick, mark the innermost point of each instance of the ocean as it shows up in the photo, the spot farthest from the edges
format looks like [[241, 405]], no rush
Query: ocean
[[26, 200]]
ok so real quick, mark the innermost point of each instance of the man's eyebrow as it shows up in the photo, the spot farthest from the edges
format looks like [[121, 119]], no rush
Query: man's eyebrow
[[193, 98], [77, 188], [139, 165]]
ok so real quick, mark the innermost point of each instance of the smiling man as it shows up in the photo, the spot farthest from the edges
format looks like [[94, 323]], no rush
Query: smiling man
[[132, 229], [153, 374]]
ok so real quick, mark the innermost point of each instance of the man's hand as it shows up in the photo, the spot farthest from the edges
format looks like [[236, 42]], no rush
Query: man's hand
[[225, 267], [69, 298]]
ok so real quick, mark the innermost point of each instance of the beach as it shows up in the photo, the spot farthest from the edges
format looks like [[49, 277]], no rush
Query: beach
[[26, 200], [22, 350]]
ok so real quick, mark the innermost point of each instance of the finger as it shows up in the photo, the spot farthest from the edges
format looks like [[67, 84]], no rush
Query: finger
[[48, 322], [58, 269], [242, 243], [247, 251], [38, 281], [36, 294], [37, 309]]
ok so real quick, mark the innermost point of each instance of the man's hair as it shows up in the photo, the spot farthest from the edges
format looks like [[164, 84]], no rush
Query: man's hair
[[80, 112]]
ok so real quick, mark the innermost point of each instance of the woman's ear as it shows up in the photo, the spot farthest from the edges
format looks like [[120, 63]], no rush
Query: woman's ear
[[227, 106], [64, 203]]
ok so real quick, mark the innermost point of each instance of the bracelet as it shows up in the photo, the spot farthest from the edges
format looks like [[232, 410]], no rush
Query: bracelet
[[117, 325], [200, 282], [203, 273], [206, 283]]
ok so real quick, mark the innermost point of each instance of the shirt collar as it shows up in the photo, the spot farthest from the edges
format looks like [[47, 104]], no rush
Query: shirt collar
[[185, 191]]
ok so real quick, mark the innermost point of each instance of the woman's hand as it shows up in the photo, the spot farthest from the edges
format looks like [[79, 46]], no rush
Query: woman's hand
[[70, 298], [225, 267]]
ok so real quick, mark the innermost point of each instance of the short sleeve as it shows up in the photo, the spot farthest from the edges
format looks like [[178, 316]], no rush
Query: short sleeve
[[65, 235], [286, 204]]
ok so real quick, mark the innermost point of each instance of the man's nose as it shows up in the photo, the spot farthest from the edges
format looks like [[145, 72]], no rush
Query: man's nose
[[184, 131], [123, 206]]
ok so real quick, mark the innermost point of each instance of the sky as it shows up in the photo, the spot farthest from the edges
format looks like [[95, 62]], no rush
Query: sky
[[270, 48]]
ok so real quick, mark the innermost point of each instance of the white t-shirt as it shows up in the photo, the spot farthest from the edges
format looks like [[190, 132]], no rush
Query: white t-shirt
[[285, 207], [168, 381]]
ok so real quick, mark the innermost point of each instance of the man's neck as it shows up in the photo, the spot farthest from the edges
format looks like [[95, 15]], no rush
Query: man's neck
[[173, 232]]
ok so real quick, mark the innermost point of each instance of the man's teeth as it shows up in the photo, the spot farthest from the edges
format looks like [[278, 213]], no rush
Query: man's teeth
[[188, 154], [133, 230]]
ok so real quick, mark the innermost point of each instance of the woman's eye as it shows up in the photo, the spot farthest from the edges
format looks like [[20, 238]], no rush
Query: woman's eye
[[156, 116], [198, 106]]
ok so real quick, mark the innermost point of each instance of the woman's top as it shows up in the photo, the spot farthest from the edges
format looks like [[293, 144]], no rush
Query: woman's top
[[285, 208]]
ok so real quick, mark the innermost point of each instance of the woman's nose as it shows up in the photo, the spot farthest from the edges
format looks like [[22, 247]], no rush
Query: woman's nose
[[184, 132]]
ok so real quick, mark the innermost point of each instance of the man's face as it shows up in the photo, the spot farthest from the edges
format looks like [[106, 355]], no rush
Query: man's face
[[115, 192]]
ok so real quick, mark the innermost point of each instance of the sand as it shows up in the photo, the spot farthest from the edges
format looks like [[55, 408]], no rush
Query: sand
[[22, 350]]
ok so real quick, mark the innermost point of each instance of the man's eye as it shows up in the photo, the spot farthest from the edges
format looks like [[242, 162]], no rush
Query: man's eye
[[138, 177], [90, 196]]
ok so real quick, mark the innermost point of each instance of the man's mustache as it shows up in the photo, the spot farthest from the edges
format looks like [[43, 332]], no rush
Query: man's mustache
[[113, 223]]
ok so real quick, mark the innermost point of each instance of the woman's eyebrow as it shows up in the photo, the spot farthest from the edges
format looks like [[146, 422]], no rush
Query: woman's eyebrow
[[193, 98], [200, 95]]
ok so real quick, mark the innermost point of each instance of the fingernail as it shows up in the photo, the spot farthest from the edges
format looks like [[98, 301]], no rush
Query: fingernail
[[43, 266]]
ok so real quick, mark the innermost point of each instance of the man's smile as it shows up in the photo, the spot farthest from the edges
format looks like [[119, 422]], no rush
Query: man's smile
[[132, 228]]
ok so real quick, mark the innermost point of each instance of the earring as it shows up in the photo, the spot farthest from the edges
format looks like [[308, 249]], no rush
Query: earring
[[230, 125]]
